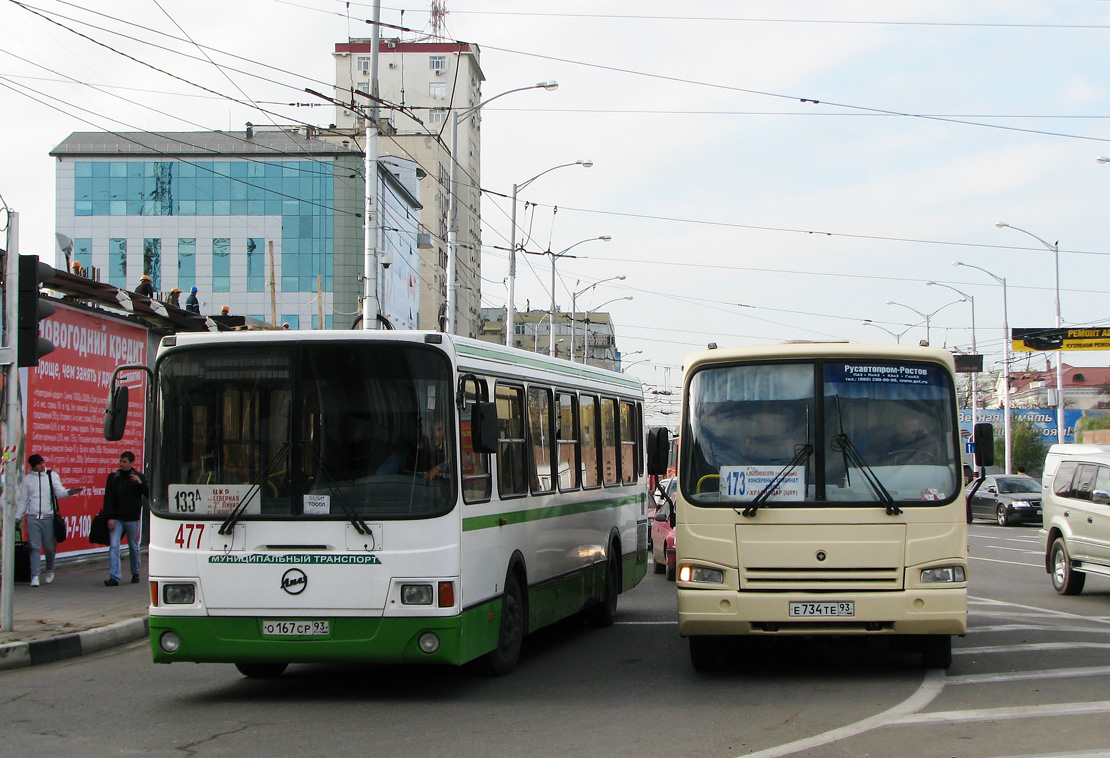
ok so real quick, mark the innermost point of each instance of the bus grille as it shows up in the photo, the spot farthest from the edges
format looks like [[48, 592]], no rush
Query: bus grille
[[813, 579]]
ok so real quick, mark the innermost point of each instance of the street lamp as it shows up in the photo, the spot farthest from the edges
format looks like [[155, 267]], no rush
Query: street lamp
[[634, 363], [927, 316], [510, 311], [563, 254], [574, 312], [974, 349], [1055, 248], [896, 335], [1005, 360], [586, 337], [453, 197]]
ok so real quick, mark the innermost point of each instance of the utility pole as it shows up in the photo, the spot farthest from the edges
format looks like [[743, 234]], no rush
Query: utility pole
[[11, 420], [370, 305]]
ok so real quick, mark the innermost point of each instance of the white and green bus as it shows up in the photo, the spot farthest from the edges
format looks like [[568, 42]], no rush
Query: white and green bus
[[820, 493], [382, 496]]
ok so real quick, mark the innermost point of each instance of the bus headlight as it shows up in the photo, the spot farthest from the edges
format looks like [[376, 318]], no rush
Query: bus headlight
[[701, 574], [416, 594], [179, 594], [943, 575]]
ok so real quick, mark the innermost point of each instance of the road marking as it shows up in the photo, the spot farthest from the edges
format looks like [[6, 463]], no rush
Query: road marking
[[997, 714], [1009, 563], [1027, 551], [1013, 676], [1038, 628], [1029, 647], [1046, 611], [645, 623], [932, 686]]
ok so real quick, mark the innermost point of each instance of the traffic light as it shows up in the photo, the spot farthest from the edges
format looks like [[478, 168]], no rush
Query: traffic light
[[30, 310]]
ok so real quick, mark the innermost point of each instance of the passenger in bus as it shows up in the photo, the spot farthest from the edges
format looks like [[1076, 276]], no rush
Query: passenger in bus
[[910, 438], [431, 455]]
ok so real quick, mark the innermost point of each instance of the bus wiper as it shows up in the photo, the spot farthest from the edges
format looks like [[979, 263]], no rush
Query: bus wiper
[[256, 488], [842, 444], [801, 454], [356, 521]]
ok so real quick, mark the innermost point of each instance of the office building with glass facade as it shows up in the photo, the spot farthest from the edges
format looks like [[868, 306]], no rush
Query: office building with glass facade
[[249, 218]]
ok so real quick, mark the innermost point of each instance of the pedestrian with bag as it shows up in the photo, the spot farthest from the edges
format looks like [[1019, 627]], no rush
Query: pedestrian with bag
[[123, 505], [37, 498]]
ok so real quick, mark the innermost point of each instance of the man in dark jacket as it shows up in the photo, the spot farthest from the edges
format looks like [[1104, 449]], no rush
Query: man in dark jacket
[[123, 505]]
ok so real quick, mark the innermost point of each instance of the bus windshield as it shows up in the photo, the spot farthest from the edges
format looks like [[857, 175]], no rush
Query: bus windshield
[[316, 429], [820, 432]]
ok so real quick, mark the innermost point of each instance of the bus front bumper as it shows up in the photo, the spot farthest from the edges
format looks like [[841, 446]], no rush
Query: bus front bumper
[[728, 612]]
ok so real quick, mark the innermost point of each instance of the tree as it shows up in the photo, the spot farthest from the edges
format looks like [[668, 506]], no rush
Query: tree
[[1028, 449]]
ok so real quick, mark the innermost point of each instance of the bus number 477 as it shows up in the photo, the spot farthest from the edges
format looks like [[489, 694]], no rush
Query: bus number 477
[[185, 532]]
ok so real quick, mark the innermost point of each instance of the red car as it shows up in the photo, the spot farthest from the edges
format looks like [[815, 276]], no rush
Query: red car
[[662, 535]]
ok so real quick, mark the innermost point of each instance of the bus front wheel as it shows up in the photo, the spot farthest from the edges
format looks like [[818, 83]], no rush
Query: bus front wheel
[[502, 659], [704, 653], [261, 670], [936, 651]]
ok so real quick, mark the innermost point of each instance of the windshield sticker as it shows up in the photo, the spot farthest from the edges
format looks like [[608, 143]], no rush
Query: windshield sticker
[[212, 499], [317, 505], [850, 373], [744, 483]]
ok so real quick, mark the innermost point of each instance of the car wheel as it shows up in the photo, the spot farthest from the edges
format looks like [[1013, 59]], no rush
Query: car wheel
[[658, 566], [261, 670], [704, 653], [1065, 579], [936, 651], [670, 572], [1003, 518]]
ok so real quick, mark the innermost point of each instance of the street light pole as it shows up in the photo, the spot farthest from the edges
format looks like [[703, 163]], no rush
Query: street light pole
[[974, 349], [927, 316], [511, 309], [562, 254], [586, 339], [897, 336], [453, 198], [1055, 248], [1005, 361], [574, 313]]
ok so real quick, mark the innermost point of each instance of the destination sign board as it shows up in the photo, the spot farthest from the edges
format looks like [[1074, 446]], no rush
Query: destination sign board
[[1051, 339]]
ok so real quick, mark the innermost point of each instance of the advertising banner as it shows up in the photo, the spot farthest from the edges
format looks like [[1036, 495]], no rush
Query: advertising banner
[[1060, 339], [1044, 423], [63, 405]]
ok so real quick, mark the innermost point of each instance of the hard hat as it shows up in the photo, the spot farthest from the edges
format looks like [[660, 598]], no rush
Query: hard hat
[[194, 289], [144, 276], [175, 289]]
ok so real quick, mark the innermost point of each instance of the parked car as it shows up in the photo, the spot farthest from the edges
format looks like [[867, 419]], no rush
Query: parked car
[[1077, 520], [662, 541], [1008, 500]]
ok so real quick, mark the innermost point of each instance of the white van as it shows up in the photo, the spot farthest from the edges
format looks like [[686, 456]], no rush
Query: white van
[[1076, 512]]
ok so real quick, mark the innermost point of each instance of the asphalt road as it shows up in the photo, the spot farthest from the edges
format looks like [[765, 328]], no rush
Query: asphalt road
[[1032, 678]]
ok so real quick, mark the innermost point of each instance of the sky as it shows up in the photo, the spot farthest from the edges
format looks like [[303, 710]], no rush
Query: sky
[[767, 171]]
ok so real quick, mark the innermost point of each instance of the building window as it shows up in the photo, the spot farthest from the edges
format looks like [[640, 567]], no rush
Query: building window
[[186, 262], [437, 116], [117, 262], [363, 63], [152, 262], [221, 265], [437, 62], [363, 87], [437, 90], [256, 263]]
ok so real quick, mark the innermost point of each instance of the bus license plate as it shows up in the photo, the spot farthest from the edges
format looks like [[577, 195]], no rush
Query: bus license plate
[[822, 609], [271, 628]]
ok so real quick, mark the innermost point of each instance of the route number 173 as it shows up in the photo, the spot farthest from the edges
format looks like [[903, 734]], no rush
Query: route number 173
[[185, 535]]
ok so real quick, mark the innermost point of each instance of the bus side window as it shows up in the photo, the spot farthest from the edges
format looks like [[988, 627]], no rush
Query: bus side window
[[512, 465], [566, 437], [591, 441], [630, 448], [610, 471], [477, 482], [539, 432]]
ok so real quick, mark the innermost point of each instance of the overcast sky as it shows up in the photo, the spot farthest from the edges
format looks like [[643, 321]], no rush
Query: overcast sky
[[740, 210]]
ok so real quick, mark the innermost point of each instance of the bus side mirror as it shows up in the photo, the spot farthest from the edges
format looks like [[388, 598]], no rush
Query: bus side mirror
[[658, 450], [483, 427], [115, 413], [984, 446]]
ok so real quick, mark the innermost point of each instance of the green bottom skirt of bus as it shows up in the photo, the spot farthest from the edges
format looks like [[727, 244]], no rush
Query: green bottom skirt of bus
[[462, 638]]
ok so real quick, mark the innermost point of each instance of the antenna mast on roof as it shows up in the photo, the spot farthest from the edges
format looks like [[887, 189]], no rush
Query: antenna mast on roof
[[439, 18]]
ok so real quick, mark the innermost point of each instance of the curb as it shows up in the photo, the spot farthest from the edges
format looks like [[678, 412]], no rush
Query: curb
[[21, 654]]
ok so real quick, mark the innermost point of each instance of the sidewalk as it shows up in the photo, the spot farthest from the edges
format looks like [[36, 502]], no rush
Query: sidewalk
[[75, 615]]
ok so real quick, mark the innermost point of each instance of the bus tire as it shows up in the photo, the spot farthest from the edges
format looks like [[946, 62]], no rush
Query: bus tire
[[604, 613], [936, 651], [261, 670], [1065, 579], [704, 653], [502, 659]]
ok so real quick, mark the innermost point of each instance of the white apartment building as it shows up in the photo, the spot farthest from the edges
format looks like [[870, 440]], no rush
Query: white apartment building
[[424, 85]]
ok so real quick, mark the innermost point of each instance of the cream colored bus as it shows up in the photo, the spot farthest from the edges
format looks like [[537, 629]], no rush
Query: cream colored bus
[[820, 493]]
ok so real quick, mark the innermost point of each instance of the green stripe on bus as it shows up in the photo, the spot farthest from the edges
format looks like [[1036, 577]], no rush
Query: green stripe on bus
[[563, 367], [507, 518]]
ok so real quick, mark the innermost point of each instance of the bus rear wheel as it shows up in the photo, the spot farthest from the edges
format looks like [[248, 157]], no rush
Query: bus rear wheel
[[605, 612], [261, 670]]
